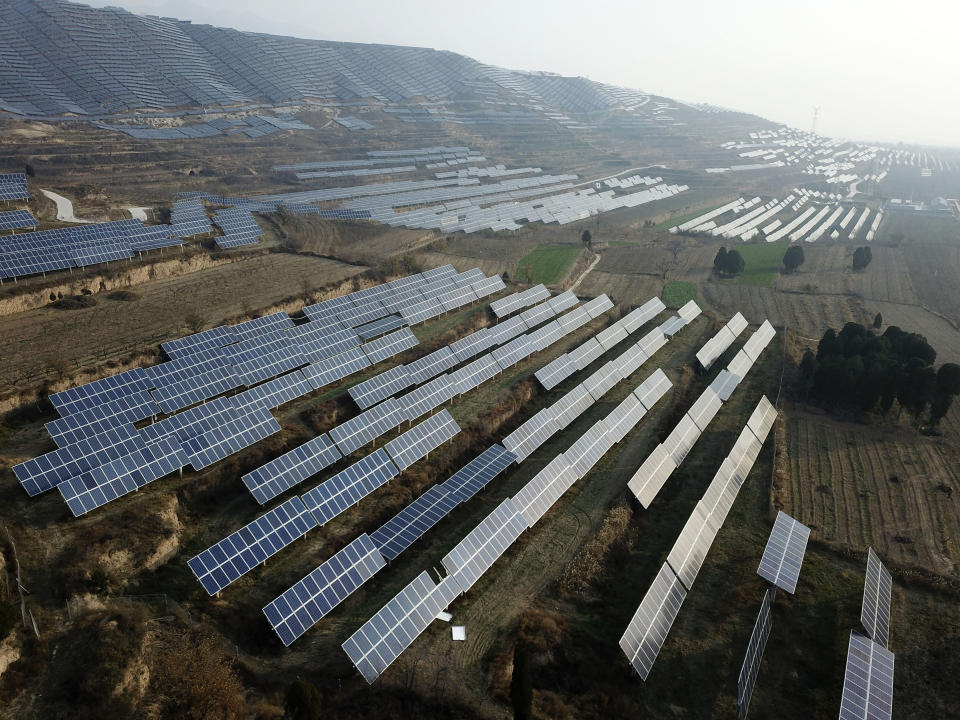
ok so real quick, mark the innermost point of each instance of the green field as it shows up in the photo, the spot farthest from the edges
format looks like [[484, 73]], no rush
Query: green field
[[762, 263], [547, 264], [677, 293]]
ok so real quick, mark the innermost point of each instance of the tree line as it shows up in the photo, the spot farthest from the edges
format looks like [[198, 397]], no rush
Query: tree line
[[858, 369]]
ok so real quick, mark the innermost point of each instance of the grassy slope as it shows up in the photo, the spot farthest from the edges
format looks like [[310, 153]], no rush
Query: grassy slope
[[676, 293], [548, 264], [761, 261]]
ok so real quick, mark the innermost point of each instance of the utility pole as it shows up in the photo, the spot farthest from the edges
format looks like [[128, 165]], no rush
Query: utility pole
[[816, 115]]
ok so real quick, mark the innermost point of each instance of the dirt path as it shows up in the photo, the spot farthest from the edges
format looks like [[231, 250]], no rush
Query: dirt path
[[64, 208], [138, 213], [586, 272]]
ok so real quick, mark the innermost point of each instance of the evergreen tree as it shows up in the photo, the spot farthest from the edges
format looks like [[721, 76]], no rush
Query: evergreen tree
[[792, 258]]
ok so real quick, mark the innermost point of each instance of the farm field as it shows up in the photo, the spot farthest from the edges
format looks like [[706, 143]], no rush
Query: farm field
[[761, 261], [677, 293], [547, 264], [114, 328]]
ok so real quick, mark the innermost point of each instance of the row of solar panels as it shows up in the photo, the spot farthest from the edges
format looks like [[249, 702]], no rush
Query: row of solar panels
[[225, 562], [17, 219], [647, 630], [295, 466], [291, 617], [13, 186], [398, 378], [379, 641], [417, 156], [660, 464]]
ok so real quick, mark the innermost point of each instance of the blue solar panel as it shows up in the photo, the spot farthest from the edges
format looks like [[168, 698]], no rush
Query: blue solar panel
[[218, 443], [347, 488], [274, 393], [474, 476], [303, 605], [241, 551], [114, 387], [196, 389], [121, 476], [290, 469], [408, 525], [368, 425], [335, 368], [100, 418], [190, 423]]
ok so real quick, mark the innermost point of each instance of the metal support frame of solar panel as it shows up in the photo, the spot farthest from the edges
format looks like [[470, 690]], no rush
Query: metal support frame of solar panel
[[241, 551], [483, 545], [867, 680], [417, 442], [348, 487], [118, 477], [368, 425], [304, 604], [235, 435], [647, 631], [877, 588], [46, 471], [381, 640], [754, 655], [290, 469], [783, 555], [540, 493]]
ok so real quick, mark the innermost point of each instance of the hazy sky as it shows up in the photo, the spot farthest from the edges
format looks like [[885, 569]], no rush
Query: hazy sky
[[878, 71]]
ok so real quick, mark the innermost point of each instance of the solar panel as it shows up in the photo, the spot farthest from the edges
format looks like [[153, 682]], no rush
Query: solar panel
[[630, 361], [642, 315], [273, 393], [644, 637], [368, 425], [740, 365], [304, 604], [598, 306], [422, 311], [783, 555], [762, 419], [546, 336], [692, 545], [425, 398], [682, 439], [100, 418], [471, 345], [751, 661], [113, 387], [569, 407], [382, 639], [483, 545], [611, 336], [540, 493], [603, 380], [476, 474], [431, 365], [506, 330], [588, 449], [510, 304], [290, 469], [200, 387], [556, 371], [241, 551], [474, 373], [759, 340], [513, 352], [537, 315], [235, 435], [380, 386], [689, 311], [724, 384], [488, 286], [867, 681], [714, 348], [623, 418], [118, 477], [705, 408], [651, 475], [390, 345], [190, 423], [408, 525], [576, 318], [653, 388], [459, 297], [531, 434], [877, 586], [421, 439], [672, 326], [584, 354], [563, 301], [335, 368], [46, 471], [350, 486], [652, 341]]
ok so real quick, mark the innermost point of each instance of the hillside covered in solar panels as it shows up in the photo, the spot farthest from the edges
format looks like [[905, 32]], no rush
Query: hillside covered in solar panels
[[58, 57]]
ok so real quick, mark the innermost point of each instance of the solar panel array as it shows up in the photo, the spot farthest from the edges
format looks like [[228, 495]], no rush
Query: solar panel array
[[348, 487], [653, 474], [647, 631], [238, 226], [483, 545], [867, 681], [304, 604], [17, 220], [718, 344], [751, 661], [567, 364], [241, 551], [875, 612], [783, 555], [13, 186], [290, 469], [418, 441]]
